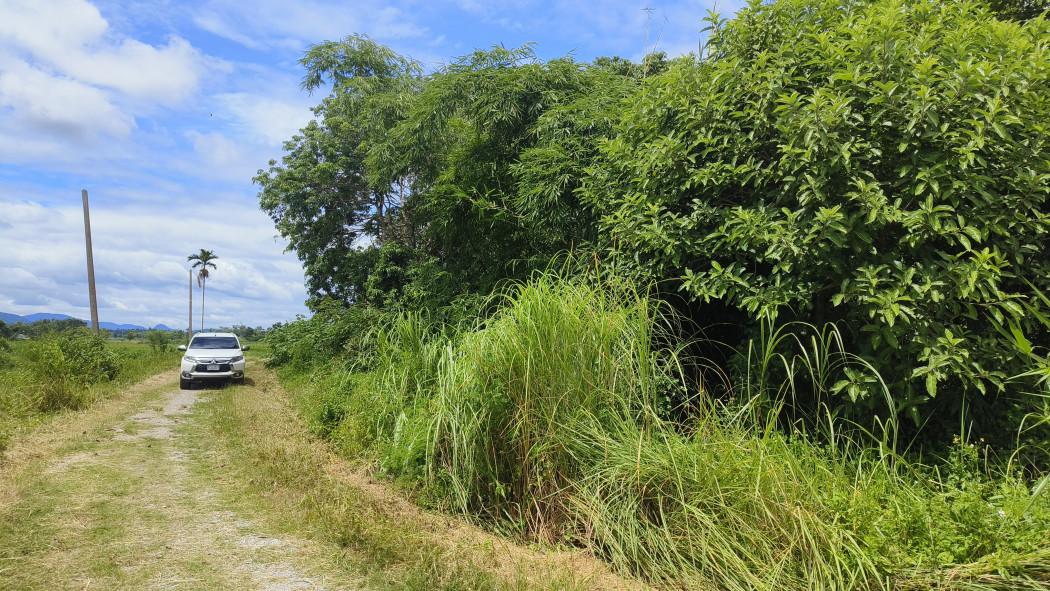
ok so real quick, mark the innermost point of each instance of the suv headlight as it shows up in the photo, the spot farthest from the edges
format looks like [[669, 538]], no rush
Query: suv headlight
[[189, 359], [237, 358]]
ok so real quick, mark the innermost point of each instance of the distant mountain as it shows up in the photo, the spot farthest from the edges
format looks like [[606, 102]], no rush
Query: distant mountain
[[111, 326], [118, 326], [31, 318]]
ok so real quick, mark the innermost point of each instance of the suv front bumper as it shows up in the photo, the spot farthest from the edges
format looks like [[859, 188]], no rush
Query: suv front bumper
[[212, 375], [225, 370]]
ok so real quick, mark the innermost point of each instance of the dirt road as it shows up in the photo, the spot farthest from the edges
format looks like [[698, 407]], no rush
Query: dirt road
[[137, 500], [161, 488]]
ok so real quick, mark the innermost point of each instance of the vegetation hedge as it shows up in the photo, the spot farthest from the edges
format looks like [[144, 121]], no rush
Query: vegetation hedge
[[554, 418], [844, 201], [884, 165], [877, 164]]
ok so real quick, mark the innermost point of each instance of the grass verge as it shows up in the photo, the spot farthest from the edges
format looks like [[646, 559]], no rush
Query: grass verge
[[554, 418], [303, 486], [59, 374]]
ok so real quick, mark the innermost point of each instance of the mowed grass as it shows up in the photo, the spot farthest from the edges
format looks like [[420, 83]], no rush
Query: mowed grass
[[99, 523], [130, 494], [64, 510]]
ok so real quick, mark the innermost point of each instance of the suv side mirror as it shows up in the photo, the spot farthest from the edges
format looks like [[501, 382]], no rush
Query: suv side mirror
[[245, 347], [182, 347]]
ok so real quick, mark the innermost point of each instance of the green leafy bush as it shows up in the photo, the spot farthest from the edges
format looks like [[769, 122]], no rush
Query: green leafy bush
[[58, 365], [89, 359], [158, 340], [334, 332], [883, 165]]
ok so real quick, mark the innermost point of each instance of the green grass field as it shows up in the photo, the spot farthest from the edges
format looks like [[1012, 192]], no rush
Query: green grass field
[[59, 373]]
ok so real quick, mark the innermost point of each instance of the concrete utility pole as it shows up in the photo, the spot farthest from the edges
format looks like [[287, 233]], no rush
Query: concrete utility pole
[[90, 263], [189, 327]]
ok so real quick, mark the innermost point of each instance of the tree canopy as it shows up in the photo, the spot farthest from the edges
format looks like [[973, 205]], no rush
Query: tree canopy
[[877, 164], [883, 165], [413, 188]]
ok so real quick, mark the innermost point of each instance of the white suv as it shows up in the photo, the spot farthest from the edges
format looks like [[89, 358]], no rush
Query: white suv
[[212, 356]]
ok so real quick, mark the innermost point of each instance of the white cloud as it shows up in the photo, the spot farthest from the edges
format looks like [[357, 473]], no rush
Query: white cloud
[[217, 149], [166, 75], [71, 37], [59, 104], [72, 89], [140, 261], [263, 118]]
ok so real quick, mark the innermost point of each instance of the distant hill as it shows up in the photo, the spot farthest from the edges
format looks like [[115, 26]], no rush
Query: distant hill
[[118, 326], [31, 318], [111, 326]]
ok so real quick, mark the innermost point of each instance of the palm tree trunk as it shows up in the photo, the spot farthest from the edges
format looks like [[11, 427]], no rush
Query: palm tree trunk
[[204, 286]]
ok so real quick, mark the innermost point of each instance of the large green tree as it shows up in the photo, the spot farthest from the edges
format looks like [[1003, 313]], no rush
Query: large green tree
[[418, 188], [322, 195], [884, 165]]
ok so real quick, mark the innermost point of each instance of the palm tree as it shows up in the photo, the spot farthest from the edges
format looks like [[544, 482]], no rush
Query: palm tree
[[201, 261]]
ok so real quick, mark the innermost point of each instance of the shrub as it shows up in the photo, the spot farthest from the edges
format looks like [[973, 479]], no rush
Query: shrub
[[334, 332], [883, 165], [90, 360], [5, 354], [158, 340], [58, 365]]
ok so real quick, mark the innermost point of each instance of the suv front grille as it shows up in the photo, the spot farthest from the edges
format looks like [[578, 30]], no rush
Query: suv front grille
[[204, 367]]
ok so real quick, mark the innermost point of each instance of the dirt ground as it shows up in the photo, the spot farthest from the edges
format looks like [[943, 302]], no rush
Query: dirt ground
[[224, 488], [135, 506]]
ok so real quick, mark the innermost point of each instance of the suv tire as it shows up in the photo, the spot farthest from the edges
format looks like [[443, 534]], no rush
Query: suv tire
[[185, 384]]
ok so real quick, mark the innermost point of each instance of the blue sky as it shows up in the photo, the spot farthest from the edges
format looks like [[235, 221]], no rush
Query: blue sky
[[164, 110]]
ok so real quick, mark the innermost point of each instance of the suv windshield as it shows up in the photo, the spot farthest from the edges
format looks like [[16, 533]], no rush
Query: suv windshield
[[214, 343]]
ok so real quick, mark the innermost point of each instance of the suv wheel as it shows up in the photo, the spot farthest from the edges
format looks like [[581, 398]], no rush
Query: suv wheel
[[185, 384]]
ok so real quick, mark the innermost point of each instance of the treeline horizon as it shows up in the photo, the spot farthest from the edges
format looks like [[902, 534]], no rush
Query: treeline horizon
[[50, 326]]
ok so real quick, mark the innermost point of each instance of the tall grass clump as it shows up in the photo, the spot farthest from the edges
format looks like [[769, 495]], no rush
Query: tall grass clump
[[510, 398], [565, 415]]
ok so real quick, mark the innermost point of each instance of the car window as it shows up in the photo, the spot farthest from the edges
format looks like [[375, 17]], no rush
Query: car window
[[214, 343]]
